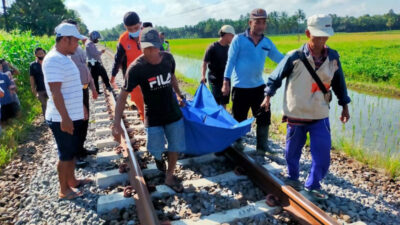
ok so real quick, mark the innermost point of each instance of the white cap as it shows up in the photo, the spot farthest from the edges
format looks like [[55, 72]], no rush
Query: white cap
[[320, 25], [66, 29], [228, 29]]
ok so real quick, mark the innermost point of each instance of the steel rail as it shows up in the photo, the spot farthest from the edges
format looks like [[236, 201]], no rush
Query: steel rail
[[303, 210]]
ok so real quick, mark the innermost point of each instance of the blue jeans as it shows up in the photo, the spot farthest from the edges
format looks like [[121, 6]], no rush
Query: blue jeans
[[320, 144], [173, 133]]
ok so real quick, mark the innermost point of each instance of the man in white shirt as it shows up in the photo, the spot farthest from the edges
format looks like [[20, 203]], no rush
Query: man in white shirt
[[65, 110]]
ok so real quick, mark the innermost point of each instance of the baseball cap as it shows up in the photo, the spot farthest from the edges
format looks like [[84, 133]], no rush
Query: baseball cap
[[228, 29], [258, 14], [131, 18], [320, 25], [67, 29], [149, 38]]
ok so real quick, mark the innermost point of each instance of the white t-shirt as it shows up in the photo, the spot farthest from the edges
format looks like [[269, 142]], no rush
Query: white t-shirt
[[60, 68]]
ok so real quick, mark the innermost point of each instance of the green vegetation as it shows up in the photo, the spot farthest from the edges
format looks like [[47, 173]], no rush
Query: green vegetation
[[370, 60], [38, 16], [17, 48], [389, 162], [278, 23]]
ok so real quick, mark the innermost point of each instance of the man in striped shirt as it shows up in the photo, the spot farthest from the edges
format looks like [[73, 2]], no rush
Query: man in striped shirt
[[65, 110]]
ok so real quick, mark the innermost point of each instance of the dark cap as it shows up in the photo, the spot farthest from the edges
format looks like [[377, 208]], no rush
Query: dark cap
[[147, 24], [258, 14], [149, 38], [131, 18]]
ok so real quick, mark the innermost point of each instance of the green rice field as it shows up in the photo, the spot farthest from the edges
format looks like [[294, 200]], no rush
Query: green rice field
[[371, 61]]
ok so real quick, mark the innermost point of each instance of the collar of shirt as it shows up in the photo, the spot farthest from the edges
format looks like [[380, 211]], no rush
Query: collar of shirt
[[247, 34], [318, 61]]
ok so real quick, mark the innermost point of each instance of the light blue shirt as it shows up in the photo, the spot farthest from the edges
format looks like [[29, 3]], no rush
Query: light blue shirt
[[247, 60]]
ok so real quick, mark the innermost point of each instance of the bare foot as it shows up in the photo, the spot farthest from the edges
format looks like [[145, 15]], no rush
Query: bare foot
[[80, 183], [69, 195]]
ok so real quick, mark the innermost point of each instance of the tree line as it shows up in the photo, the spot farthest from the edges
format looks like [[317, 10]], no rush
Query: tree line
[[38, 16], [41, 16], [278, 23]]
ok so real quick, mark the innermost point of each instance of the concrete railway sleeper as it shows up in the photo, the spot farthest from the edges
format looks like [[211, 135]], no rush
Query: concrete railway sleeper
[[215, 193]]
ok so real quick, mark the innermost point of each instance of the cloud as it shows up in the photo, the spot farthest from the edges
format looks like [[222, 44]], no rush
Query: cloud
[[101, 14], [331, 4]]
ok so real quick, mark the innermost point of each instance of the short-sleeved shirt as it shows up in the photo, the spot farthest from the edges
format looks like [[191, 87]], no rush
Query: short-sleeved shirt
[[161, 106], [92, 52], [35, 70], [216, 56], [5, 84], [60, 68], [79, 58]]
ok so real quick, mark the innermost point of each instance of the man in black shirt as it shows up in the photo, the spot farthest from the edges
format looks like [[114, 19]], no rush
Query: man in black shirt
[[37, 80], [215, 57], [154, 73]]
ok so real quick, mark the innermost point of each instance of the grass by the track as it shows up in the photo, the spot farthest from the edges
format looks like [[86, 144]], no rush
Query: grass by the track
[[17, 48]]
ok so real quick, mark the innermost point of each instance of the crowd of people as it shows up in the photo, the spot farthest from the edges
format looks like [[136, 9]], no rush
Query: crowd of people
[[61, 80]]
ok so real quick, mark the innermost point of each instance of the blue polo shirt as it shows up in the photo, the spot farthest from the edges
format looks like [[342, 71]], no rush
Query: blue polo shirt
[[247, 60], [5, 83]]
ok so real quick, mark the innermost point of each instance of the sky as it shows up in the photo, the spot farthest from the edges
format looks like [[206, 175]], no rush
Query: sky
[[102, 14]]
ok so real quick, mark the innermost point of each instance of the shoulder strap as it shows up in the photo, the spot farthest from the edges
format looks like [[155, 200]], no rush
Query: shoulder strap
[[312, 72]]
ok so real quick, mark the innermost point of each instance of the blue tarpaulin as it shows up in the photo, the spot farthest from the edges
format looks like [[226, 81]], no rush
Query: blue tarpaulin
[[208, 126]]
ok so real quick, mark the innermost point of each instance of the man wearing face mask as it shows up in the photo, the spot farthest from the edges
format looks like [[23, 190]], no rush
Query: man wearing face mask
[[37, 80], [129, 49], [94, 59]]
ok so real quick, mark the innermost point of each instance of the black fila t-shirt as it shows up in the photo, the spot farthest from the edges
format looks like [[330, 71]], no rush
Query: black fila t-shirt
[[161, 106]]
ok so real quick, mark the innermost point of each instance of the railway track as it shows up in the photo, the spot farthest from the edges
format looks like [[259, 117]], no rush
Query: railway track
[[235, 187]]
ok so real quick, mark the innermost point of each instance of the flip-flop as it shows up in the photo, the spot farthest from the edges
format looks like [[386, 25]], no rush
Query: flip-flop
[[71, 196], [83, 182], [317, 194], [176, 186]]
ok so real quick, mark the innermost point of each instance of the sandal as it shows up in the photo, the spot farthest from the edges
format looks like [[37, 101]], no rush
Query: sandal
[[295, 184], [317, 194], [83, 182], [161, 165], [176, 186], [71, 196]]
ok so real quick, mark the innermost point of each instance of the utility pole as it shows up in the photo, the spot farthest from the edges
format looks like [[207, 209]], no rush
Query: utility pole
[[5, 14]]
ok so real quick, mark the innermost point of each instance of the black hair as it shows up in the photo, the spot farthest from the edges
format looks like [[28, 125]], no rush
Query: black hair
[[147, 24], [221, 34], [70, 21], [58, 39], [131, 18], [39, 49]]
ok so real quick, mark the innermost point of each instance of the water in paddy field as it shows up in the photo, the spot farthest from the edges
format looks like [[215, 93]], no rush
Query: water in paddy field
[[374, 121]]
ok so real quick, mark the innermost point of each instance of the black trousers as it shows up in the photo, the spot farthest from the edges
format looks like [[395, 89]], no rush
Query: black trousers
[[96, 71], [85, 124], [245, 98], [9, 111]]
